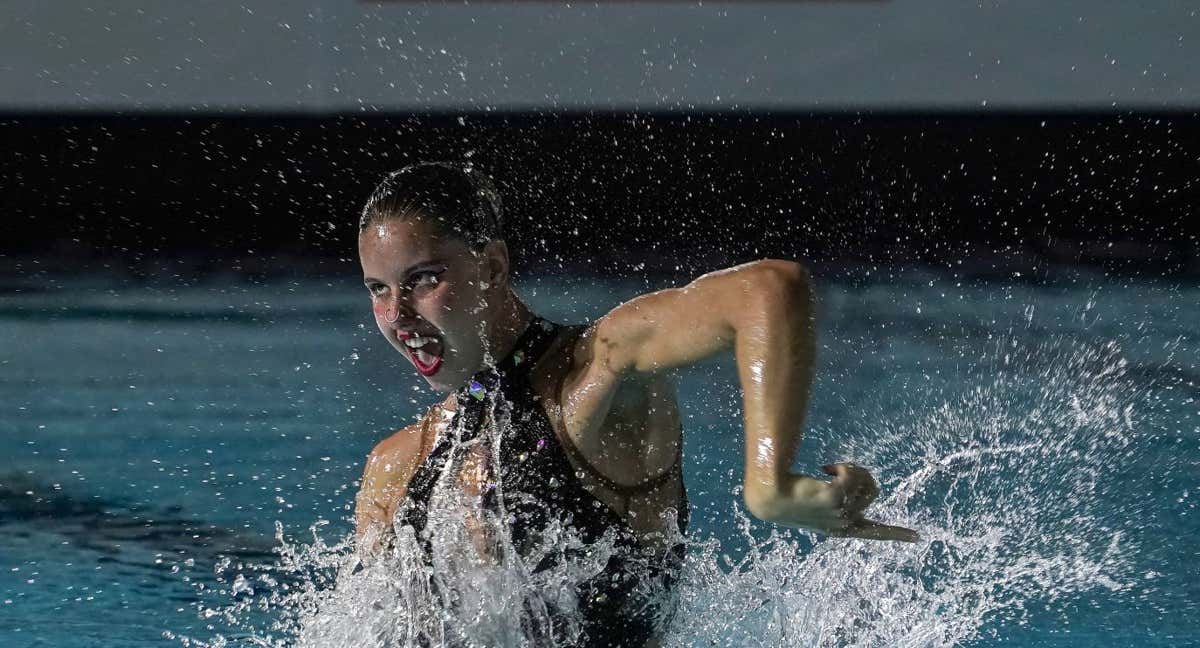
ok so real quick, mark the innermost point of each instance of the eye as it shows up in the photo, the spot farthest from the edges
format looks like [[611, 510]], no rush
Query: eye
[[376, 289], [424, 279]]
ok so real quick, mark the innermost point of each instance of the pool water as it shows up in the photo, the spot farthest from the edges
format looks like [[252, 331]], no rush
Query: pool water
[[161, 444]]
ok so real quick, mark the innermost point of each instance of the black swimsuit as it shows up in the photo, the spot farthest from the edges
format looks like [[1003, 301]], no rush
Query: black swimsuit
[[629, 601]]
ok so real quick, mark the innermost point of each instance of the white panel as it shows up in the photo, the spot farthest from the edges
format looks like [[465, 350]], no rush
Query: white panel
[[343, 55]]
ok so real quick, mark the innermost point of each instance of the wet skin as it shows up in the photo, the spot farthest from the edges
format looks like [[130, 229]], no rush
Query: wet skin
[[617, 405]]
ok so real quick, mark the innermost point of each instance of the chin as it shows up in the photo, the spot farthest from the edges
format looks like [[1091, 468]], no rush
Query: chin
[[446, 380]]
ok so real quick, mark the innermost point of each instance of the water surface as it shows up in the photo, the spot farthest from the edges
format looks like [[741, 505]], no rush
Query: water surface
[[1044, 438]]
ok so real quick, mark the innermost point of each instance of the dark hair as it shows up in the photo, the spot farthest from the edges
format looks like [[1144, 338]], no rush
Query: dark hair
[[460, 199]]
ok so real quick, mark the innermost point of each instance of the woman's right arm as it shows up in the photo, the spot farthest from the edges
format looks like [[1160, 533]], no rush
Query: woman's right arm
[[384, 483]]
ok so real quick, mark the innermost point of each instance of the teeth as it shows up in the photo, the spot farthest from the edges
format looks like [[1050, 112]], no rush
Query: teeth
[[418, 342]]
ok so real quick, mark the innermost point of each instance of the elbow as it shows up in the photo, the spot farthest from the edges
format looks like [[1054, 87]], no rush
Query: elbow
[[784, 273], [783, 267], [779, 283], [794, 500]]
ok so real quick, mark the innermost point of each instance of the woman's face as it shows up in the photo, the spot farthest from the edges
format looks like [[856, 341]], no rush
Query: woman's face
[[428, 293]]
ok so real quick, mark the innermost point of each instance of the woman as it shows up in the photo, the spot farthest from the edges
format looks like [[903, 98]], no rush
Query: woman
[[550, 427]]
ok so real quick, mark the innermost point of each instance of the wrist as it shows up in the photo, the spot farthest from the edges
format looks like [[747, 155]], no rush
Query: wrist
[[763, 500], [797, 500]]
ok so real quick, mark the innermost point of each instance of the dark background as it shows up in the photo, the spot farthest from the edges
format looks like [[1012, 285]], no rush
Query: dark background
[[180, 196]]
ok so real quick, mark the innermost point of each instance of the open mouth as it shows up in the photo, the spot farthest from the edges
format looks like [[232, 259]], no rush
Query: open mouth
[[425, 351]]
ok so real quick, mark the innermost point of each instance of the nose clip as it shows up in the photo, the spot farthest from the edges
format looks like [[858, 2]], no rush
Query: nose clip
[[392, 314]]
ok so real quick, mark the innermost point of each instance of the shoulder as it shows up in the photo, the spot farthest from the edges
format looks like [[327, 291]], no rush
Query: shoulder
[[583, 352], [393, 460], [388, 468], [580, 374], [402, 448], [399, 443]]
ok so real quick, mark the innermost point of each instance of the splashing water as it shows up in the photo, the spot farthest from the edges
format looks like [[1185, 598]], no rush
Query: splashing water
[[1010, 483], [465, 584]]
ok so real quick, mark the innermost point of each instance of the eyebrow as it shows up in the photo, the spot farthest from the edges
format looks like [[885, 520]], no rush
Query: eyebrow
[[410, 269]]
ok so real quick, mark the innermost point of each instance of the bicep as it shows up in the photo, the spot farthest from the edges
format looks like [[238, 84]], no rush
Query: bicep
[[680, 326]]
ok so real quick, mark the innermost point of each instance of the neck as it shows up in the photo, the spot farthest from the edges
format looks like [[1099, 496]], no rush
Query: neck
[[514, 317]]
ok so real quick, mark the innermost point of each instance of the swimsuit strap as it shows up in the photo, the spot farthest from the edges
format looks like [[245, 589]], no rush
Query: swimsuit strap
[[625, 491], [486, 388], [475, 400]]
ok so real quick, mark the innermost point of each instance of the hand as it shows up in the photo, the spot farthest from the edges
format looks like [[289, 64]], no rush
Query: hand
[[833, 508], [856, 489]]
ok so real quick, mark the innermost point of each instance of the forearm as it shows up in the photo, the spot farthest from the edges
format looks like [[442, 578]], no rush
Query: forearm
[[764, 311], [775, 349]]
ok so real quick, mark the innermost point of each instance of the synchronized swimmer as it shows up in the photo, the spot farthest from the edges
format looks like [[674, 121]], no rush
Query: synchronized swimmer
[[595, 442]]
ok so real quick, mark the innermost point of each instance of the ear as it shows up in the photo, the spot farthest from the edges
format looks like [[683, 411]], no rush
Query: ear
[[496, 262]]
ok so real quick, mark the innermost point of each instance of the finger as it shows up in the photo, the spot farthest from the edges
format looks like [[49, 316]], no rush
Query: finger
[[844, 474], [859, 498], [872, 530], [869, 493], [846, 470], [860, 474], [850, 476]]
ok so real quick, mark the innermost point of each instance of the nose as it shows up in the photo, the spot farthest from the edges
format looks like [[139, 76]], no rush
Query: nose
[[392, 314], [394, 308]]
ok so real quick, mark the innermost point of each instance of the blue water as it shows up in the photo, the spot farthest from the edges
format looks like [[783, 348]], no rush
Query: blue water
[[1045, 439]]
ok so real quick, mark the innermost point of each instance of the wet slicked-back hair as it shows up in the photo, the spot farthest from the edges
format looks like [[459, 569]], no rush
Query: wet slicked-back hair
[[461, 200]]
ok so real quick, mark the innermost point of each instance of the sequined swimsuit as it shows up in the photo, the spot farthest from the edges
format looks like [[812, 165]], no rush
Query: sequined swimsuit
[[630, 600]]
